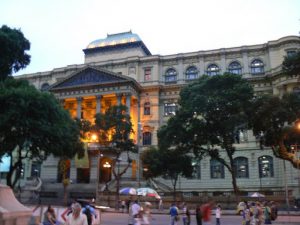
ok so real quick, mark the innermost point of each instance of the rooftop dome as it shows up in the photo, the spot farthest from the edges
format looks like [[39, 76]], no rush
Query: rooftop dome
[[115, 39]]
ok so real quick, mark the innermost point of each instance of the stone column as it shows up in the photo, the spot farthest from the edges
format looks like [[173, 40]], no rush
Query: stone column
[[79, 101], [128, 102], [98, 103], [119, 98]]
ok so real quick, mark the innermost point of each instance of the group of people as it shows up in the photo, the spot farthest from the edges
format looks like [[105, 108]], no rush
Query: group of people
[[76, 214], [202, 213], [257, 213], [252, 214], [139, 214]]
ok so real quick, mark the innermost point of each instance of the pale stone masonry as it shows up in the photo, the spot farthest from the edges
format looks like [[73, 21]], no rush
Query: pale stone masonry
[[121, 69]]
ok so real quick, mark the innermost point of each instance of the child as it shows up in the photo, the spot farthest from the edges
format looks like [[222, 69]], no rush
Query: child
[[218, 214]]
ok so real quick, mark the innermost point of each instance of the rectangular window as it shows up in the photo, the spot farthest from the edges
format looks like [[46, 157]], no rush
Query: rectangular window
[[147, 138], [170, 79], [147, 74], [147, 108], [170, 109]]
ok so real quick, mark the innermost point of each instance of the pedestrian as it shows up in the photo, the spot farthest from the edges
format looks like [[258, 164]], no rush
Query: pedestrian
[[198, 214], [267, 213], [90, 213], [123, 205], [76, 217], [136, 212], [247, 214], [146, 215], [128, 202], [274, 211], [218, 214], [186, 217], [160, 204], [174, 214], [206, 212], [50, 217], [258, 214]]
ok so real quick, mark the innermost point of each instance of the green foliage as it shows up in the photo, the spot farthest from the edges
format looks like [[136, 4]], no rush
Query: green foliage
[[114, 126], [170, 163], [34, 124], [213, 110], [291, 64], [13, 47], [272, 116]]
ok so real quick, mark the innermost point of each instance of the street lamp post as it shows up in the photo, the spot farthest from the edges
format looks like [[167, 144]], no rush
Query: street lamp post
[[140, 130]]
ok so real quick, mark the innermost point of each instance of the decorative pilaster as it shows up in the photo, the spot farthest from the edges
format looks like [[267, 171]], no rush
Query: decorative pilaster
[[98, 103], [245, 62], [79, 101], [119, 98], [128, 102]]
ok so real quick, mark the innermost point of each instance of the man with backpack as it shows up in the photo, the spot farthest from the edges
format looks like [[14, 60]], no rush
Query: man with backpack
[[89, 211]]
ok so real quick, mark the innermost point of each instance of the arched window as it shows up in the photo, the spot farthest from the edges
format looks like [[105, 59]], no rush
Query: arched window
[[212, 70], [147, 108], [216, 169], [45, 87], [241, 167], [235, 68], [171, 76], [265, 166], [147, 136], [191, 73], [257, 67]]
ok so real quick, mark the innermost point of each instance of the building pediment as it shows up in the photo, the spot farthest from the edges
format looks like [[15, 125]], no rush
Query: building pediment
[[90, 77]]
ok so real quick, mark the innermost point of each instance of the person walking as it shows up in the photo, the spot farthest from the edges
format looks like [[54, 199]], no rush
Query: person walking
[[218, 214], [50, 217], [206, 212], [136, 212], [146, 216], [247, 214], [186, 217], [267, 213], [198, 214], [174, 214], [76, 217]]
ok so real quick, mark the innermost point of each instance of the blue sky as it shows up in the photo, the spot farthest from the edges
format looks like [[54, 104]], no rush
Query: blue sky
[[59, 29]]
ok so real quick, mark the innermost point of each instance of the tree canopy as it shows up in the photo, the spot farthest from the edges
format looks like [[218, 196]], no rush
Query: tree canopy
[[33, 125], [212, 111], [13, 47], [291, 64], [276, 120], [170, 163], [114, 128]]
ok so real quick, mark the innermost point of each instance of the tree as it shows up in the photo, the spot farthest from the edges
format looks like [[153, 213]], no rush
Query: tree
[[114, 128], [33, 125], [212, 111], [13, 47], [276, 120], [291, 64], [170, 163]]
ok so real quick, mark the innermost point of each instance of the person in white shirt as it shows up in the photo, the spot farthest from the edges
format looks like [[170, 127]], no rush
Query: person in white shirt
[[218, 214], [76, 217], [136, 209]]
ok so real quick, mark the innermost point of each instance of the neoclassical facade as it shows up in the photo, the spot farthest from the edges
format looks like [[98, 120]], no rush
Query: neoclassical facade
[[120, 69]]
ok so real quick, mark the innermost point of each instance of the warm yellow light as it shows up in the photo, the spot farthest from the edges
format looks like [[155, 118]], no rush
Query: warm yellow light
[[94, 137], [106, 165], [298, 125]]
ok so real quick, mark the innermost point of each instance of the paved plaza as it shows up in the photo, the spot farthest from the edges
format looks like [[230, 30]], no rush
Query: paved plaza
[[109, 218]]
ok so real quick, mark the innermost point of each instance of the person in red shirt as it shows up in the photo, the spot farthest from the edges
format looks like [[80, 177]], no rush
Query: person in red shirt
[[206, 212]]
